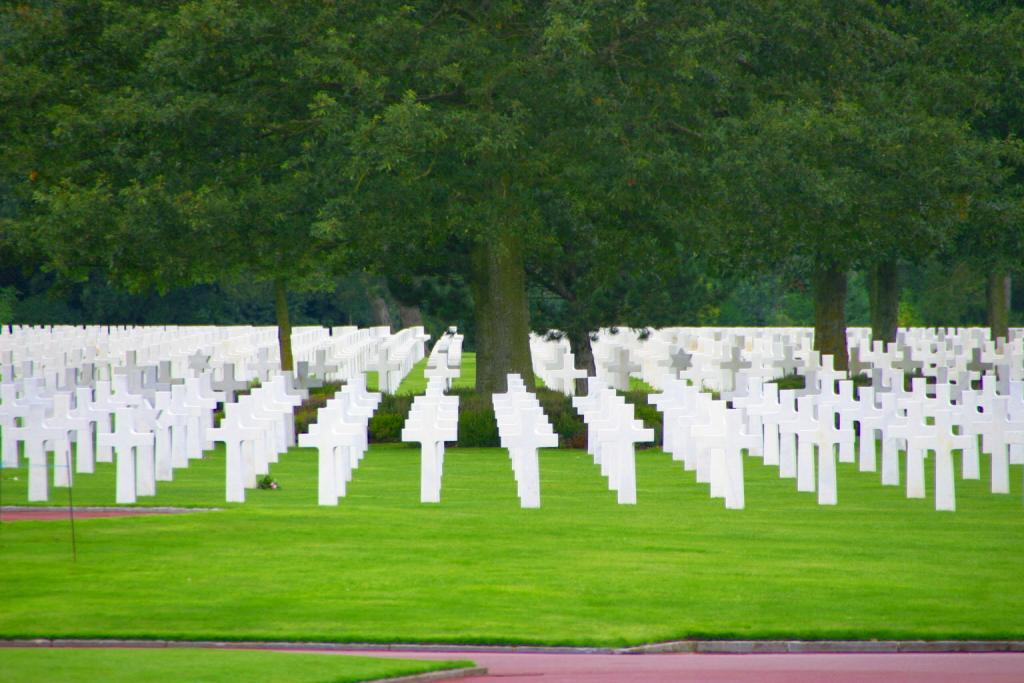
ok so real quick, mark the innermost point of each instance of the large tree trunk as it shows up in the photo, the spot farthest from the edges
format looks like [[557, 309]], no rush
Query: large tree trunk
[[381, 315], [580, 342], [409, 315], [999, 285], [498, 283], [885, 301], [830, 314], [284, 326]]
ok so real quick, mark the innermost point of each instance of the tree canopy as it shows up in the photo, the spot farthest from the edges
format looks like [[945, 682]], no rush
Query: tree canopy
[[610, 161]]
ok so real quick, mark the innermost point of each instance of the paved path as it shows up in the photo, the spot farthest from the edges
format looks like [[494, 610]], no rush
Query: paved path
[[539, 667], [700, 668]]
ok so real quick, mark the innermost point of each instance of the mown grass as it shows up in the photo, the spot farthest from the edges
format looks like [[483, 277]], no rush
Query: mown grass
[[582, 570], [416, 383], [32, 665], [637, 385]]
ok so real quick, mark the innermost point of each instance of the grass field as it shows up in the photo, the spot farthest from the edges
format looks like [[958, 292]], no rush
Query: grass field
[[476, 568], [32, 665], [416, 383]]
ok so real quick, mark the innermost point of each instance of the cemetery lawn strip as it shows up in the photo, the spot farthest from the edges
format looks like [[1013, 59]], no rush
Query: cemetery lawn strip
[[382, 567], [159, 665], [416, 383]]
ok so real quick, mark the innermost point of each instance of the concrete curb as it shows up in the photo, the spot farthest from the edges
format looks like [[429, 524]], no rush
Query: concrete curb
[[428, 677], [431, 676], [825, 646], [308, 646], [679, 646]]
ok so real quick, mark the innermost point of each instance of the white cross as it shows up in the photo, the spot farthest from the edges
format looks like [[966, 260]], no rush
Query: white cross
[[727, 468], [85, 446], [564, 373], [10, 412], [675, 402], [620, 439], [34, 435], [334, 438], [130, 446], [787, 420], [998, 433], [63, 424], [238, 462], [431, 422], [523, 429], [922, 437], [228, 384]]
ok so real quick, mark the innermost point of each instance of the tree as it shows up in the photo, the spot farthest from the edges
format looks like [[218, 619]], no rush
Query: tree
[[830, 157], [464, 162], [175, 143], [594, 276], [616, 246], [525, 152], [993, 235], [964, 63]]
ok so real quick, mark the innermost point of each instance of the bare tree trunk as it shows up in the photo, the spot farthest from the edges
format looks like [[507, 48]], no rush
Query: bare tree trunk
[[580, 342], [830, 314], [409, 315], [498, 282], [284, 326], [381, 315], [885, 301], [999, 287]]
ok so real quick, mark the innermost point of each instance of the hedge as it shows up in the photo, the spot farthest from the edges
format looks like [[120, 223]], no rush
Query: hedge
[[477, 425]]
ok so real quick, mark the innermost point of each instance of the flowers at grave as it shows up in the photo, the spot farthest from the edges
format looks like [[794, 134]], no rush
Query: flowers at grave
[[266, 482]]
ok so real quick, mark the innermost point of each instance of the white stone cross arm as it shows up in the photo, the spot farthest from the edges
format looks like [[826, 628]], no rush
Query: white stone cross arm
[[125, 439], [232, 434], [527, 428], [430, 431], [564, 373], [228, 384]]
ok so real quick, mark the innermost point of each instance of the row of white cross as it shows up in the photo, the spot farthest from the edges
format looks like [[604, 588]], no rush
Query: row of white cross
[[803, 435], [149, 421], [433, 420], [555, 364], [340, 438], [722, 359], [708, 437], [150, 440], [397, 355], [67, 357], [157, 424], [445, 360], [523, 428], [255, 430], [612, 432]]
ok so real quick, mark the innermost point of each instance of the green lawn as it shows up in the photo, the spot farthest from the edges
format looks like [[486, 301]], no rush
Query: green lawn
[[478, 569], [416, 383], [188, 665], [636, 384]]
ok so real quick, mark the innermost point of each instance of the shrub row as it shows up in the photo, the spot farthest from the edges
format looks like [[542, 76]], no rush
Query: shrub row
[[477, 425], [305, 414], [479, 429]]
